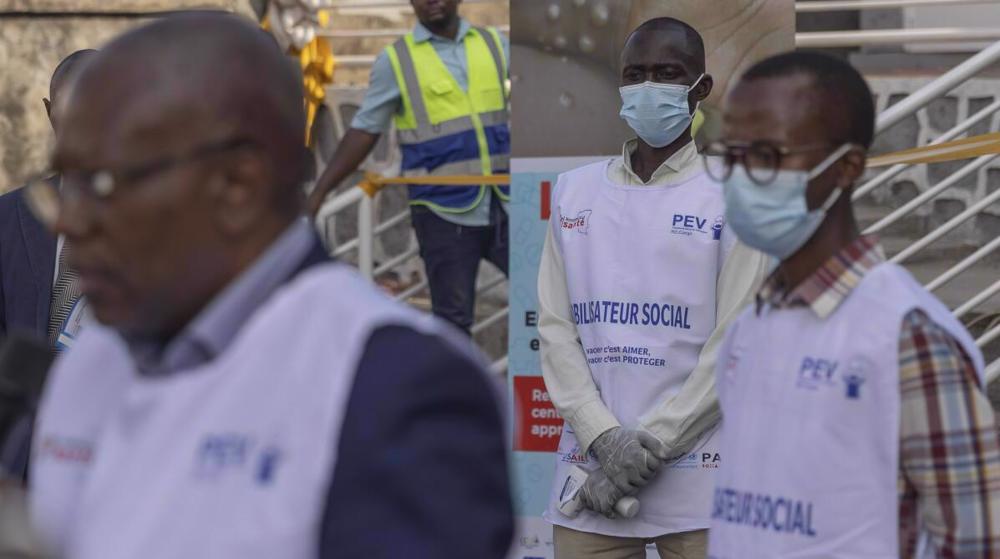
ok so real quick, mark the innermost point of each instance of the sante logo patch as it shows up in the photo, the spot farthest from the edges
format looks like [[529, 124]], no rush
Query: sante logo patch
[[580, 223]]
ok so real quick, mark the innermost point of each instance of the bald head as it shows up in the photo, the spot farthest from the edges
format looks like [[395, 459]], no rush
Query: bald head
[[665, 50], [848, 113], [66, 72], [684, 41], [198, 119], [202, 77]]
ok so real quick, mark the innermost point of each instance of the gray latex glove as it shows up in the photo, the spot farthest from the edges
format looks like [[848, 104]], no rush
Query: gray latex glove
[[629, 457], [599, 494]]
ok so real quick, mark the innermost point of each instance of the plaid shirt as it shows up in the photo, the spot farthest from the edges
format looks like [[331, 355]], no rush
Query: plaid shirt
[[949, 452]]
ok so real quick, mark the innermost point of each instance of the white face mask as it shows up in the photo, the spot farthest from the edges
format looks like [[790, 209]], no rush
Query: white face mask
[[774, 218], [658, 112]]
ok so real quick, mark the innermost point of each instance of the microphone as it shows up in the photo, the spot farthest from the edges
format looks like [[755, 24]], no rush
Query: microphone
[[571, 502], [24, 366]]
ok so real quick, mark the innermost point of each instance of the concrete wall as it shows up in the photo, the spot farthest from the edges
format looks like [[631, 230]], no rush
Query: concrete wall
[[34, 36]]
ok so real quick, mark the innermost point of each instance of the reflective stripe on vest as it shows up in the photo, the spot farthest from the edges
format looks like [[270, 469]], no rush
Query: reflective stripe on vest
[[444, 130]]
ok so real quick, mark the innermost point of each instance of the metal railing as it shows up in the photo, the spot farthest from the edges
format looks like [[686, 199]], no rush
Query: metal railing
[[852, 5], [355, 60], [833, 39], [958, 130], [919, 99], [337, 4], [856, 38], [366, 33], [369, 230], [354, 200], [364, 245]]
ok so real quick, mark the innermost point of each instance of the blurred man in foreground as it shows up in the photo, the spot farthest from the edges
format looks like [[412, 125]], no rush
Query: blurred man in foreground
[[242, 396], [855, 422]]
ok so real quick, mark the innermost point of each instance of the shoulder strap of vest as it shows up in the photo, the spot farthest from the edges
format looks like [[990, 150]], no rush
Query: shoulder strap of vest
[[410, 81], [316, 256], [496, 50]]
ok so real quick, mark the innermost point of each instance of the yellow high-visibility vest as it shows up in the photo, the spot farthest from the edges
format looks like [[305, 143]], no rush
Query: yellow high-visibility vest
[[445, 130]]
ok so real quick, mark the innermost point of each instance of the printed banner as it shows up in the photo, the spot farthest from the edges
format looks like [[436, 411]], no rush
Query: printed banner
[[536, 427]]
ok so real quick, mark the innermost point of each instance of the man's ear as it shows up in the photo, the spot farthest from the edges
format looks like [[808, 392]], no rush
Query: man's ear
[[48, 106], [852, 167], [240, 195], [704, 88], [700, 92]]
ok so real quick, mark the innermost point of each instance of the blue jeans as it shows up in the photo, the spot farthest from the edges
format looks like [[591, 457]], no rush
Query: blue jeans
[[451, 256]]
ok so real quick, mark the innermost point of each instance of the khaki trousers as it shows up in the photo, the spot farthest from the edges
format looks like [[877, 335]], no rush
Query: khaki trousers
[[571, 544]]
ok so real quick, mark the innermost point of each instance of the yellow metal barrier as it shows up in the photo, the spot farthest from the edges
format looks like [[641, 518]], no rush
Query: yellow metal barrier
[[318, 63], [967, 148], [975, 146], [373, 182]]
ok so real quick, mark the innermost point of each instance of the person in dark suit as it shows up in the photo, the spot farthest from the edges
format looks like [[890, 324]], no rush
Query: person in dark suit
[[37, 290], [28, 251], [27, 261], [240, 394]]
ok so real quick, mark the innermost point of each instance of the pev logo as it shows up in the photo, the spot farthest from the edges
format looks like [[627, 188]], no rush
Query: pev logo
[[717, 227], [580, 223], [816, 373], [690, 225], [857, 372], [220, 453]]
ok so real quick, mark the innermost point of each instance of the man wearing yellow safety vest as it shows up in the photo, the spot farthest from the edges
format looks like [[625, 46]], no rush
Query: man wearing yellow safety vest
[[443, 86]]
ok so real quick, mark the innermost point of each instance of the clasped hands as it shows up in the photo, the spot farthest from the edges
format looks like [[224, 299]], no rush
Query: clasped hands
[[629, 460]]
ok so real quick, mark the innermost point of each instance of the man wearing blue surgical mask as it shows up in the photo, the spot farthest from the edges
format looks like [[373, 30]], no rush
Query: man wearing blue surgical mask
[[855, 422], [638, 279]]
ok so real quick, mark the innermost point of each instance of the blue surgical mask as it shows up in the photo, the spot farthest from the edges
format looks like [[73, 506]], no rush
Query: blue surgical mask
[[774, 218], [658, 112]]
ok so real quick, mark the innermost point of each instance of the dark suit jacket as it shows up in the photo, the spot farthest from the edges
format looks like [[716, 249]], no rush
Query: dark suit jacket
[[421, 466], [27, 262]]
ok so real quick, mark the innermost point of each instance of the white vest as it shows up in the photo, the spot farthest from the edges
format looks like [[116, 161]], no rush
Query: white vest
[[229, 460], [810, 428], [641, 266]]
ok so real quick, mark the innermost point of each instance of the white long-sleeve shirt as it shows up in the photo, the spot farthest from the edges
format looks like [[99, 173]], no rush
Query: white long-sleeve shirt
[[679, 420]]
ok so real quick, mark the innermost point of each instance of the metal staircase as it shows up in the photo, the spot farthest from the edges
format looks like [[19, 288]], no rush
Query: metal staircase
[[966, 277]]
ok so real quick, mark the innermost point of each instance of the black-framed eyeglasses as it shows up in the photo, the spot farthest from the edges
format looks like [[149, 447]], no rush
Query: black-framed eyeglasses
[[47, 191], [762, 160]]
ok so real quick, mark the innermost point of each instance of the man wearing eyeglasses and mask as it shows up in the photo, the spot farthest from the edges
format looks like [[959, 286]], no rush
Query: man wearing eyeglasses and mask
[[855, 422], [208, 411], [638, 278]]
